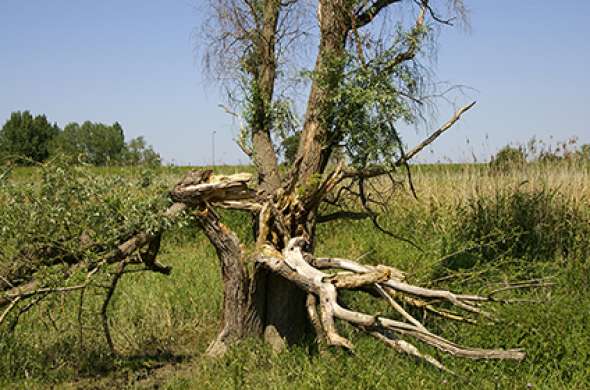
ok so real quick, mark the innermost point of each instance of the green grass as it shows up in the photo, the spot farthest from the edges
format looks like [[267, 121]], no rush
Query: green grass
[[164, 324]]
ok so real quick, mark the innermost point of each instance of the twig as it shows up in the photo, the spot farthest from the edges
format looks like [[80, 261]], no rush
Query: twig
[[9, 309], [105, 305]]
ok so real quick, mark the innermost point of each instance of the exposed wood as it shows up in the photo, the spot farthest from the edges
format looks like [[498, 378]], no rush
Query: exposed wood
[[235, 280], [314, 147], [294, 266]]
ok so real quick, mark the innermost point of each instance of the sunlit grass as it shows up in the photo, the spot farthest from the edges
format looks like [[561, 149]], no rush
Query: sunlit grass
[[169, 321]]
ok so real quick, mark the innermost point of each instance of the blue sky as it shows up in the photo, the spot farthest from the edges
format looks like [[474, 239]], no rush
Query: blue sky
[[133, 61]]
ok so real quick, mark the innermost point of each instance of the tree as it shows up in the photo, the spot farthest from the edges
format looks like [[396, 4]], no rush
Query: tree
[[27, 138], [366, 79], [94, 143], [138, 152], [508, 158], [362, 84]]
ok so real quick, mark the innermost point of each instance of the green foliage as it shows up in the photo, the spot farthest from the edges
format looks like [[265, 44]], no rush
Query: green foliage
[[93, 143], [67, 215], [374, 95], [568, 152], [25, 138], [508, 158], [584, 153], [538, 225], [163, 325], [138, 152], [289, 147], [365, 97]]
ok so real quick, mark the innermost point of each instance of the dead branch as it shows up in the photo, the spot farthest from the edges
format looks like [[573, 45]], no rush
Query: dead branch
[[292, 264], [370, 172], [412, 153], [343, 214]]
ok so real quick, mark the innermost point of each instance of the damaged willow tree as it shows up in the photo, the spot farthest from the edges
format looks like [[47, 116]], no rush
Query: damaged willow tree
[[366, 79]]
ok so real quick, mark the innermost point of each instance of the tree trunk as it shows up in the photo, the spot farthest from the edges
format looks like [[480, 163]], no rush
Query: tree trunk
[[235, 282], [264, 75], [285, 316], [315, 144]]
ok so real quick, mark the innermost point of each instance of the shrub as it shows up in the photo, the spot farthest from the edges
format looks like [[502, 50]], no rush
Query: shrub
[[508, 158]]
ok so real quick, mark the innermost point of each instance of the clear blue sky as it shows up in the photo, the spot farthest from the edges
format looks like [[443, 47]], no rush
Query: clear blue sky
[[133, 61]]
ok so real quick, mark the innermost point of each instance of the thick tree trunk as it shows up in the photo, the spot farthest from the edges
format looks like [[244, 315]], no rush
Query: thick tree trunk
[[264, 75], [315, 144], [285, 313], [285, 316], [235, 282], [265, 305]]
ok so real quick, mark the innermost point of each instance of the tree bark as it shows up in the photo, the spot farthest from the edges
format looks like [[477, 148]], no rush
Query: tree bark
[[315, 145], [235, 282], [285, 313], [264, 75]]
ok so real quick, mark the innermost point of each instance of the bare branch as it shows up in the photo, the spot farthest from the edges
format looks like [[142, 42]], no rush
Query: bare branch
[[104, 309], [372, 11], [412, 153], [293, 265], [370, 172], [343, 214]]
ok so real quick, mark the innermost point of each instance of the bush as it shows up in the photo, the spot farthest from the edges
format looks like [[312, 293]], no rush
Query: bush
[[508, 158]]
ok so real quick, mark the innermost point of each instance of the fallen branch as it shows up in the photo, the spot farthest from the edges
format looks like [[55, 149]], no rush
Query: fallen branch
[[307, 275]]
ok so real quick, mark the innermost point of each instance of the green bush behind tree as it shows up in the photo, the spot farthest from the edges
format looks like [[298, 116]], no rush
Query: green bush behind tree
[[27, 140]]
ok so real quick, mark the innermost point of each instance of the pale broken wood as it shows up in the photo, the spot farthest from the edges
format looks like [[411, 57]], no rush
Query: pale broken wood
[[293, 265]]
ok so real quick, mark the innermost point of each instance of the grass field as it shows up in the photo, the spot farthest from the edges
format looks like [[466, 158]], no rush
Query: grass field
[[476, 230]]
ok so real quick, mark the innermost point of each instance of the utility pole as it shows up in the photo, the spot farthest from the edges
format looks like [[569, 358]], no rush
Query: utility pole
[[213, 148]]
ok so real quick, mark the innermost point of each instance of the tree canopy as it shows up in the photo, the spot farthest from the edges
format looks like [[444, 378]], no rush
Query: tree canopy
[[26, 140], [95, 143]]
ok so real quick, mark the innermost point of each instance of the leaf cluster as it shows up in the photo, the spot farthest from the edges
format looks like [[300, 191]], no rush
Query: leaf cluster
[[374, 95], [66, 215]]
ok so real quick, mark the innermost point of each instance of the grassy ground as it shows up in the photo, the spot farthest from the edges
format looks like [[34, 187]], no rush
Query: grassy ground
[[476, 230]]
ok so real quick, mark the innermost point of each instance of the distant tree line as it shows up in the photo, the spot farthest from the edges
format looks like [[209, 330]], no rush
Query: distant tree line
[[540, 152], [27, 139]]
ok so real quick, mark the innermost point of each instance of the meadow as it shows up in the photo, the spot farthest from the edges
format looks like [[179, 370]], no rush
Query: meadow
[[475, 230]]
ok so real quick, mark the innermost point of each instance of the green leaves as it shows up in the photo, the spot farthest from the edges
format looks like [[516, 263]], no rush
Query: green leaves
[[367, 107], [26, 138], [69, 213], [94, 143]]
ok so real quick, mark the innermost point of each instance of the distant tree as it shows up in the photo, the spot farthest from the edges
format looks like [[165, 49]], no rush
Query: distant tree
[[584, 152], [94, 143], [507, 158], [26, 138], [138, 152]]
